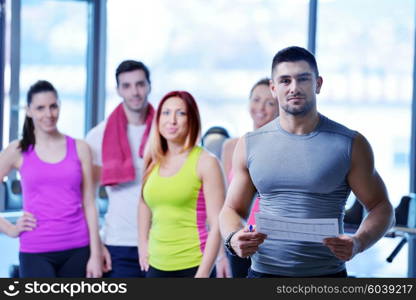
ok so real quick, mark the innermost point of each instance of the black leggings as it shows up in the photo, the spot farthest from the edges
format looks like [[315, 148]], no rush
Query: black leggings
[[67, 263], [153, 272], [239, 266]]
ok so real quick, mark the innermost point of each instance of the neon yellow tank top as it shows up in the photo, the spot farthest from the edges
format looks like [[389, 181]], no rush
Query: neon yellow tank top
[[178, 230]]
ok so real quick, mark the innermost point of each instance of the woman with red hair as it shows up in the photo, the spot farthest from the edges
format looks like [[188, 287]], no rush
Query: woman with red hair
[[182, 195]]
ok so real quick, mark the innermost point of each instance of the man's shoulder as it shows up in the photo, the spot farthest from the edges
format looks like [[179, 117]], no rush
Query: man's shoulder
[[332, 126], [96, 132], [265, 129]]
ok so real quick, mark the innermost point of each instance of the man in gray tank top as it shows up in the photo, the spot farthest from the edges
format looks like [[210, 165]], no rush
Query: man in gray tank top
[[304, 166]]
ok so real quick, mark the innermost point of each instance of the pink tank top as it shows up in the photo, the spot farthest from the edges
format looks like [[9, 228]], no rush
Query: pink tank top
[[52, 192]]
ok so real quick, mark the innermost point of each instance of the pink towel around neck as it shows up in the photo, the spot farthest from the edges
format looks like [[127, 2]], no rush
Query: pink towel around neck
[[117, 157]]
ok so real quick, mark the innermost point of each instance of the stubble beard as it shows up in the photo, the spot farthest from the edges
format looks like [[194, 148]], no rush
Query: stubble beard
[[299, 110], [140, 109]]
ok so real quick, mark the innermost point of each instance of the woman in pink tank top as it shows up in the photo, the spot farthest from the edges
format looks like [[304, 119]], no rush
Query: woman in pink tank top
[[263, 108], [59, 228]]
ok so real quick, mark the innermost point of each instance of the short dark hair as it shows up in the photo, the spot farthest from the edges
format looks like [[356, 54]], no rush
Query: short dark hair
[[263, 81], [132, 65], [293, 54]]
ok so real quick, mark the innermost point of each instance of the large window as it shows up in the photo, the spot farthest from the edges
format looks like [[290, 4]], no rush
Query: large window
[[45, 40], [42, 40], [365, 54], [216, 50], [54, 37]]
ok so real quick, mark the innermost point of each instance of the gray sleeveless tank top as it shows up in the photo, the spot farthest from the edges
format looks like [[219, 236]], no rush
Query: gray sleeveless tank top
[[300, 176]]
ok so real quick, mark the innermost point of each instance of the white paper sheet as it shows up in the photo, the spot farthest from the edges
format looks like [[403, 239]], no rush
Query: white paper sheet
[[295, 229]]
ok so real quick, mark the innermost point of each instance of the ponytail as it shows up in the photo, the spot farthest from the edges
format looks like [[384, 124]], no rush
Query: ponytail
[[28, 135]]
